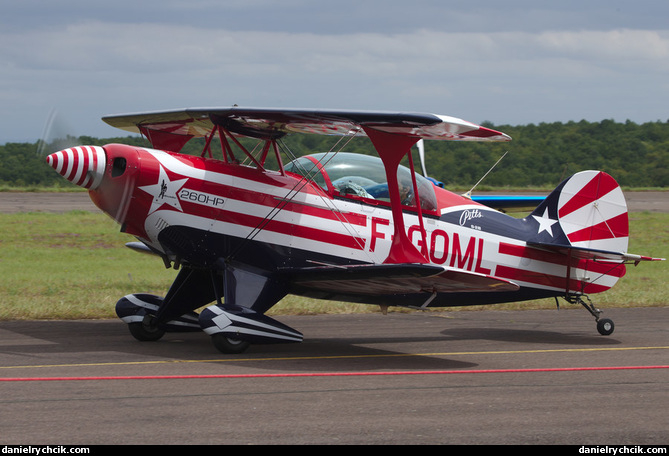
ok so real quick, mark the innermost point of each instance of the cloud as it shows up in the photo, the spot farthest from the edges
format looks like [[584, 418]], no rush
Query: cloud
[[156, 48], [618, 45], [99, 68]]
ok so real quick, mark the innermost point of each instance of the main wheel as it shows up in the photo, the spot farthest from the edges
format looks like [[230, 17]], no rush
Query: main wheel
[[605, 326], [144, 332], [228, 345]]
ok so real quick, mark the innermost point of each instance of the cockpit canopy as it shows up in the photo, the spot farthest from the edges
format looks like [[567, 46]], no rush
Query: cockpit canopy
[[361, 177]]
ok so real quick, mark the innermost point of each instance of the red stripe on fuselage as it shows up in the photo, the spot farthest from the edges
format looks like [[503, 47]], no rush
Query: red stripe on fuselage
[[290, 185], [275, 226], [285, 204], [547, 280], [559, 282], [235, 184], [521, 251], [272, 202]]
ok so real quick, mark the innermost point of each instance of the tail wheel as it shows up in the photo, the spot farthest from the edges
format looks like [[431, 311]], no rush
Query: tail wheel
[[605, 326], [229, 345]]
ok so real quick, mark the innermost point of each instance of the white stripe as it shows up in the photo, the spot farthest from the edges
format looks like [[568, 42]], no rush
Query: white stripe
[[70, 161], [611, 244], [139, 303], [98, 167], [59, 162], [80, 165]]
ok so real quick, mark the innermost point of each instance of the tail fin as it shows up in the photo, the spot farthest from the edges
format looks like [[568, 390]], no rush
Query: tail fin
[[587, 212], [585, 219]]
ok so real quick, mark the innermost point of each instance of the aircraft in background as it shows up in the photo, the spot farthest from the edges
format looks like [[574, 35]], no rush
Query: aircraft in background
[[245, 228]]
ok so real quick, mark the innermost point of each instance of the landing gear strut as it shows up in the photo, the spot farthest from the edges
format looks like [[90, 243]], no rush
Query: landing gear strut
[[605, 326]]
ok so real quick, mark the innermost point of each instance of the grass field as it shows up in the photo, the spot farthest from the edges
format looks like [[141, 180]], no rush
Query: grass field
[[75, 265]]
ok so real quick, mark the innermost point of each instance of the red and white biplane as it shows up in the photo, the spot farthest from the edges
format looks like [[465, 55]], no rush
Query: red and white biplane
[[340, 226]]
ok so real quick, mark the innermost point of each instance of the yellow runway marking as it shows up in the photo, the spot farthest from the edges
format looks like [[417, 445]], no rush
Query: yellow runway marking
[[334, 357]]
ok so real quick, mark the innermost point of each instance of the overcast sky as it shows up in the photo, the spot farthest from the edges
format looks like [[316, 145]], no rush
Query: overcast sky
[[508, 62]]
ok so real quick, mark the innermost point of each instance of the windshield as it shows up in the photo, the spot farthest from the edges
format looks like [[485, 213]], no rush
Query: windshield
[[363, 176]]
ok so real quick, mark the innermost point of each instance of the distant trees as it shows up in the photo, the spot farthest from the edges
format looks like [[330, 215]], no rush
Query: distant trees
[[636, 155], [543, 155]]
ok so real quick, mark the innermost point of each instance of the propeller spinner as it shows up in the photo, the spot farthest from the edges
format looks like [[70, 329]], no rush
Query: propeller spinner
[[109, 173], [83, 166]]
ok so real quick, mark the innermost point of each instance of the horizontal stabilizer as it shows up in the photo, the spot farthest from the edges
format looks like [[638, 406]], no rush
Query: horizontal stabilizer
[[593, 254], [385, 279]]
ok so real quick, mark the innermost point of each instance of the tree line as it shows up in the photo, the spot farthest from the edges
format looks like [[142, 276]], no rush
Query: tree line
[[540, 156]]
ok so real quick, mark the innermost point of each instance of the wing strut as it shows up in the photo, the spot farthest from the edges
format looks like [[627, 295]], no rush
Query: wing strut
[[392, 149]]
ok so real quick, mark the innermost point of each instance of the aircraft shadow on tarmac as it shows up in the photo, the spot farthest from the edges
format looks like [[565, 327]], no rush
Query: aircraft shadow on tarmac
[[524, 336], [110, 342]]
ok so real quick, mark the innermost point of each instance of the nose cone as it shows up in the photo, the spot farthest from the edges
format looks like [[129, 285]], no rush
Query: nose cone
[[83, 166]]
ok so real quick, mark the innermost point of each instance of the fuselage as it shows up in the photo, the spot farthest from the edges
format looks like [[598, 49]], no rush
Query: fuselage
[[204, 211]]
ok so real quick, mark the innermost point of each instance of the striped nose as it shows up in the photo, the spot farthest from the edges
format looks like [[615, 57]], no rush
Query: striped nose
[[83, 166]]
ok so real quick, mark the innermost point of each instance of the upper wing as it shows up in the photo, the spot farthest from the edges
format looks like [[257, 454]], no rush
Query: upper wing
[[268, 123]]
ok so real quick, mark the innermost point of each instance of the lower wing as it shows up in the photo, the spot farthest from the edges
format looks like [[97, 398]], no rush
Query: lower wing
[[383, 279]]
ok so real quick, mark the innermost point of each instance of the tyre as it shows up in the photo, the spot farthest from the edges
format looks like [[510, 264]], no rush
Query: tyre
[[229, 345], [144, 332], [605, 326]]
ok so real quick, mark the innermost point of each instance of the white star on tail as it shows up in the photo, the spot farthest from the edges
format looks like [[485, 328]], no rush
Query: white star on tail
[[545, 223], [164, 192]]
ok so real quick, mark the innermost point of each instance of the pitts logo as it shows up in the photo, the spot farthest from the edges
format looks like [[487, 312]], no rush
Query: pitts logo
[[469, 215]]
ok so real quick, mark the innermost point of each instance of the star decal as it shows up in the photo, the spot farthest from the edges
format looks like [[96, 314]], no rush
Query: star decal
[[164, 192], [545, 223]]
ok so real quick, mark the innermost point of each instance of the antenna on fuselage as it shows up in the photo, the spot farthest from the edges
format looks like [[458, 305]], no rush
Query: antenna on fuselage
[[469, 193]]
